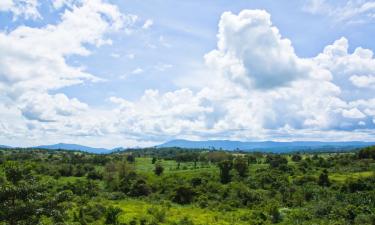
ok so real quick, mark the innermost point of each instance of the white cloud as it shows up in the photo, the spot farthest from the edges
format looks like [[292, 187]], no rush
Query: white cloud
[[353, 72], [247, 99], [60, 3], [353, 114], [44, 107], [130, 56], [163, 42], [163, 66], [148, 23], [33, 63], [115, 55], [349, 11], [137, 71], [247, 45], [33, 59], [316, 6], [257, 86], [363, 81], [26, 8]]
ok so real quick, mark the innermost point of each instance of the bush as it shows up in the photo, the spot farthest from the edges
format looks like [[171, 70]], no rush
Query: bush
[[296, 158], [183, 195], [112, 214], [158, 214], [158, 169]]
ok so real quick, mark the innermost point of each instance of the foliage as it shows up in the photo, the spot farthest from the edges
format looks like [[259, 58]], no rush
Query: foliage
[[186, 186]]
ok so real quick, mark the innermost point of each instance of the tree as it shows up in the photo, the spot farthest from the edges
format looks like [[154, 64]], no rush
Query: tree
[[158, 169], [112, 215], [240, 165], [275, 214], [367, 153], [324, 179], [296, 157], [251, 159], [183, 195], [140, 188], [153, 161], [130, 158], [25, 200], [225, 168], [276, 161]]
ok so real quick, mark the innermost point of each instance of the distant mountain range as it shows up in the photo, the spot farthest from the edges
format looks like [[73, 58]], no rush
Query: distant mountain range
[[4, 146], [263, 146], [268, 146], [75, 147]]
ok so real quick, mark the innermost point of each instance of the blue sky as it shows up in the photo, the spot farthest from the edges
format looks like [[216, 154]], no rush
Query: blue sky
[[137, 73]]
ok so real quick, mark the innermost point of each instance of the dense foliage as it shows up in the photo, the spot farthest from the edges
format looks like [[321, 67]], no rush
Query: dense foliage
[[180, 186]]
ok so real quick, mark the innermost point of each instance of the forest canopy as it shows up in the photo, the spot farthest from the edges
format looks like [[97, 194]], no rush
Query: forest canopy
[[186, 186]]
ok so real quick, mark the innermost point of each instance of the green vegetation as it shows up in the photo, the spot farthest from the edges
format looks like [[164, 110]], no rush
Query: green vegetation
[[185, 187]]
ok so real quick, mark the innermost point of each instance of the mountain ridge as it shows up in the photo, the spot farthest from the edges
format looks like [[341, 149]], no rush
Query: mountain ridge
[[266, 146], [74, 147]]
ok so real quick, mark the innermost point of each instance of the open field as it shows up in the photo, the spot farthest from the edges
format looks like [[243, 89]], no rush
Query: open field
[[187, 187]]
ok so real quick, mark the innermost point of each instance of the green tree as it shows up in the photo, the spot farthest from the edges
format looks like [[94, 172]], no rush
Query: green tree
[[130, 158], [296, 157], [25, 200], [324, 179], [112, 215], [225, 168], [158, 169], [240, 165], [183, 195]]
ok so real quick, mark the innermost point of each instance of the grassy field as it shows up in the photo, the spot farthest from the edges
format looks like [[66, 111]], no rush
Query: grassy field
[[342, 177], [167, 213], [293, 192]]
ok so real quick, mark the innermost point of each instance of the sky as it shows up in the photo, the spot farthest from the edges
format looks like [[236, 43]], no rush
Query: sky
[[110, 73]]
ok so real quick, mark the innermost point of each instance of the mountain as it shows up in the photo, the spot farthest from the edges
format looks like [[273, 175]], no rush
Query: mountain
[[268, 146], [4, 146], [72, 147]]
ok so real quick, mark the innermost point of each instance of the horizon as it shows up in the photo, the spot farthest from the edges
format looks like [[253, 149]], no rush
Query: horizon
[[109, 74], [191, 141]]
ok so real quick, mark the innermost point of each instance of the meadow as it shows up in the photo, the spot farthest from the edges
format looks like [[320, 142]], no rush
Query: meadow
[[180, 186]]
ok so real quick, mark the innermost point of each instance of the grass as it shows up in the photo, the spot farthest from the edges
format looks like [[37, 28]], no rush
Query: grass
[[170, 213], [144, 165], [340, 177]]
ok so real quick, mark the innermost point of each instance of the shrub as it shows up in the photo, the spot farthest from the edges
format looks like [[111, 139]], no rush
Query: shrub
[[158, 169], [183, 195], [112, 215]]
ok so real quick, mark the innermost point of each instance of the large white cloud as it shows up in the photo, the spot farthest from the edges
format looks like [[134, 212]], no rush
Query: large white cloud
[[33, 63], [248, 43], [259, 87], [260, 90]]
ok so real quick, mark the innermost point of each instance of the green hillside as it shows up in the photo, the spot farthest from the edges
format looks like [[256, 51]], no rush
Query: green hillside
[[183, 187]]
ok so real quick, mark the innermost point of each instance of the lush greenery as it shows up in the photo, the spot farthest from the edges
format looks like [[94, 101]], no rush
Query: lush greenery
[[183, 187]]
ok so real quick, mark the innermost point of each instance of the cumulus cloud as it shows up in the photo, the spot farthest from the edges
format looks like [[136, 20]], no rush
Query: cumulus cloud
[[45, 108], [26, 8], [363, 81], [33, 60], [353, 72], [258, 88], [253, 52]]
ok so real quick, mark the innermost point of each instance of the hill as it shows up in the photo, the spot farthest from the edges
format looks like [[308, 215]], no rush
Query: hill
[[267, 146], [75, 147], [4, 146]]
